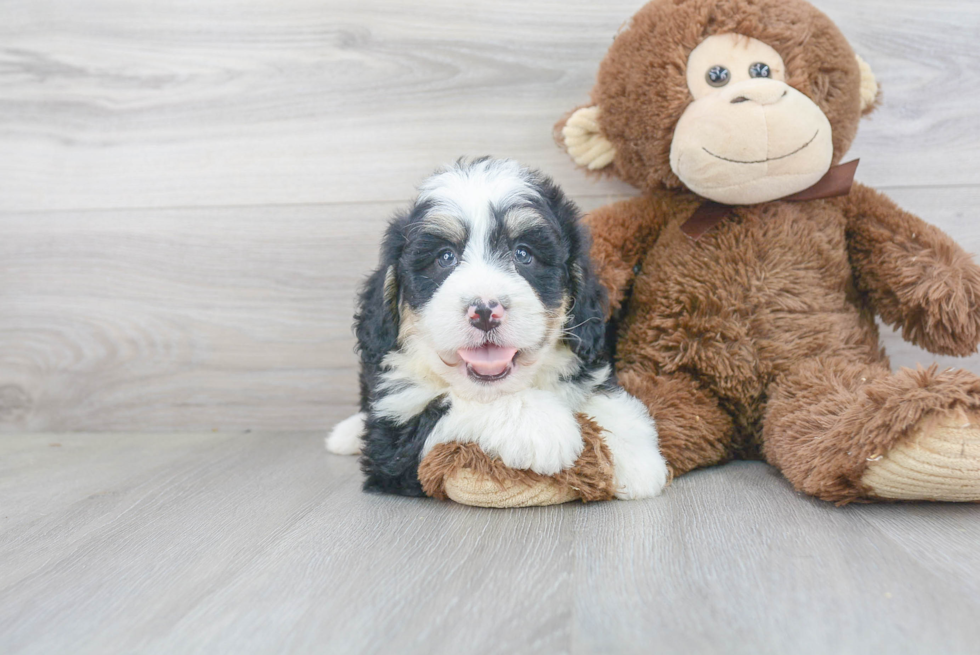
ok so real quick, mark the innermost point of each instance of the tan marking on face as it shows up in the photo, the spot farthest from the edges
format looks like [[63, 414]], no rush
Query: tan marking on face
[[556, 321], [518, 221], [391, 289], [446, 226], [407, 324], [554, 329]]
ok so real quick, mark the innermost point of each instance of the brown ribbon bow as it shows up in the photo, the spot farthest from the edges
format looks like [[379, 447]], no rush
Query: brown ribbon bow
[[837, 182]]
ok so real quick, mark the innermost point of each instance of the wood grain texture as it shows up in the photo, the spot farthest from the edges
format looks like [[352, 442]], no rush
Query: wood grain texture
[[264, 543], [206, 319], [790, 574], [191, 192], [221, 318], [117, 103]]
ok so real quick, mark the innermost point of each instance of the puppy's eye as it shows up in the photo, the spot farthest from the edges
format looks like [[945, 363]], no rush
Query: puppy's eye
[[446, 258], [718, 76], [759, 69], [522, 255]]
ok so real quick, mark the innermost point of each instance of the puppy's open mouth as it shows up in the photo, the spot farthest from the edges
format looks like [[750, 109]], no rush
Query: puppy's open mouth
[[488, 363]]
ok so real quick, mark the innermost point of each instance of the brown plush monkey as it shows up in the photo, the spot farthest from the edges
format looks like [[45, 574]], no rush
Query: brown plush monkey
[[746, 278]]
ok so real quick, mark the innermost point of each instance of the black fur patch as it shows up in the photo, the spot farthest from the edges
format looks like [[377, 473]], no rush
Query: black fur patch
[[392, 453], [548, 271], [376, 320], [419, 273], [586, 321]]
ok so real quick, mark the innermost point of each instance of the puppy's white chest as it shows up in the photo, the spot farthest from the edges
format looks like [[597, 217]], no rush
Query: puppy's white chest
[[531, 429]]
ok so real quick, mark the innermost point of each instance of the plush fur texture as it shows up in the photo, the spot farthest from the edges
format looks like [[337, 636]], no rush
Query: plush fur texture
[[744, 139], [590, 479], [759, 339], [642, 91], [484, 325]]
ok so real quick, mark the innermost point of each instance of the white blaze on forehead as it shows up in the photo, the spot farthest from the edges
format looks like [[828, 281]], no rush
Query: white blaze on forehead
[[471, 192]]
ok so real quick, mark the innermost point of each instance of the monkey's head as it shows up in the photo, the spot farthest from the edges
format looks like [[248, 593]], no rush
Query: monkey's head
[[740, 101]]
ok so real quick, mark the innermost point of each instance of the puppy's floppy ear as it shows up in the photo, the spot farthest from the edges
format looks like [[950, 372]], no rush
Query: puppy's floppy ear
[[586, 325], [585, 330], [376, 321]]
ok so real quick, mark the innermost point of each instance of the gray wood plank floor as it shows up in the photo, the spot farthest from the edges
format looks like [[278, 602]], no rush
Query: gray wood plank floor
[[264, 543]]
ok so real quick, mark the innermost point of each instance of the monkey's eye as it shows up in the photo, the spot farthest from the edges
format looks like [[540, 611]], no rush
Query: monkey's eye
[[446, 258], [759, 69], [718, 76], [522, 255]]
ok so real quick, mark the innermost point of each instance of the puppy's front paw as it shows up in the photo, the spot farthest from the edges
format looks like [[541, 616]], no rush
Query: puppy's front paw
[[551, 436], [345, 438], [529, 431], [631, 436], [643, 475], [532, 431]]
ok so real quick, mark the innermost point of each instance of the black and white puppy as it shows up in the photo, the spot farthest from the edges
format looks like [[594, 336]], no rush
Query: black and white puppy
[[484, 323]]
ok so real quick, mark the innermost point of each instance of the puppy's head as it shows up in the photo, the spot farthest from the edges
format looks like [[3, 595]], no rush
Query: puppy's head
[[486, 282]]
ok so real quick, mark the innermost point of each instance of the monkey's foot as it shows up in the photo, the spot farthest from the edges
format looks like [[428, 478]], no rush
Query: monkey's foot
[[940, 461]]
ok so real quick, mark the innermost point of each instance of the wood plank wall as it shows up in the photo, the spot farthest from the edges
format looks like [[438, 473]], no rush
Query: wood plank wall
[[191, 191]]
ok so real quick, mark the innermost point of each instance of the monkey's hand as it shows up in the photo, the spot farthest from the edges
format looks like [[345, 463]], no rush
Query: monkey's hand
[[916, 276]]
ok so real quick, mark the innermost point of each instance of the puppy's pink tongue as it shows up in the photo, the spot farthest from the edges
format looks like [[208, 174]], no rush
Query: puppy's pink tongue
[[488, 360]]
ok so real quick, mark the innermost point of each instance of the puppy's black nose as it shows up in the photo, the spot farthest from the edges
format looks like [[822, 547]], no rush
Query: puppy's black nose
[[480, 318], [485, 316]]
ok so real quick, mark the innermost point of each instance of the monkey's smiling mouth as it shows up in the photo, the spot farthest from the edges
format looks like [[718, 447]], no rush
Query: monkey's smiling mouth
[[763, 161]]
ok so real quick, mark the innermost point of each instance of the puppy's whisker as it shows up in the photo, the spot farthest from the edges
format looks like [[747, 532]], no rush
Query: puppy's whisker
[[588, 320]]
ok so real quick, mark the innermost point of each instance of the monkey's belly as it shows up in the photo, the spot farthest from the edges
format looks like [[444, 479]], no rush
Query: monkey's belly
[[747, 301]]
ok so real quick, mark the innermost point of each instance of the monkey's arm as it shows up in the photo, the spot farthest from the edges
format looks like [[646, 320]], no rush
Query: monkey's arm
[[621, 233], [916, 276]]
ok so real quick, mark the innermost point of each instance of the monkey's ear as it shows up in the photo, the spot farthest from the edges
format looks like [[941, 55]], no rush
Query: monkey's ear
[[869, 87], [581, 137]]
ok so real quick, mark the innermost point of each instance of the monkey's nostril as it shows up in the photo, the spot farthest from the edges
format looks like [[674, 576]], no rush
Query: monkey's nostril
[[739, 100]]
